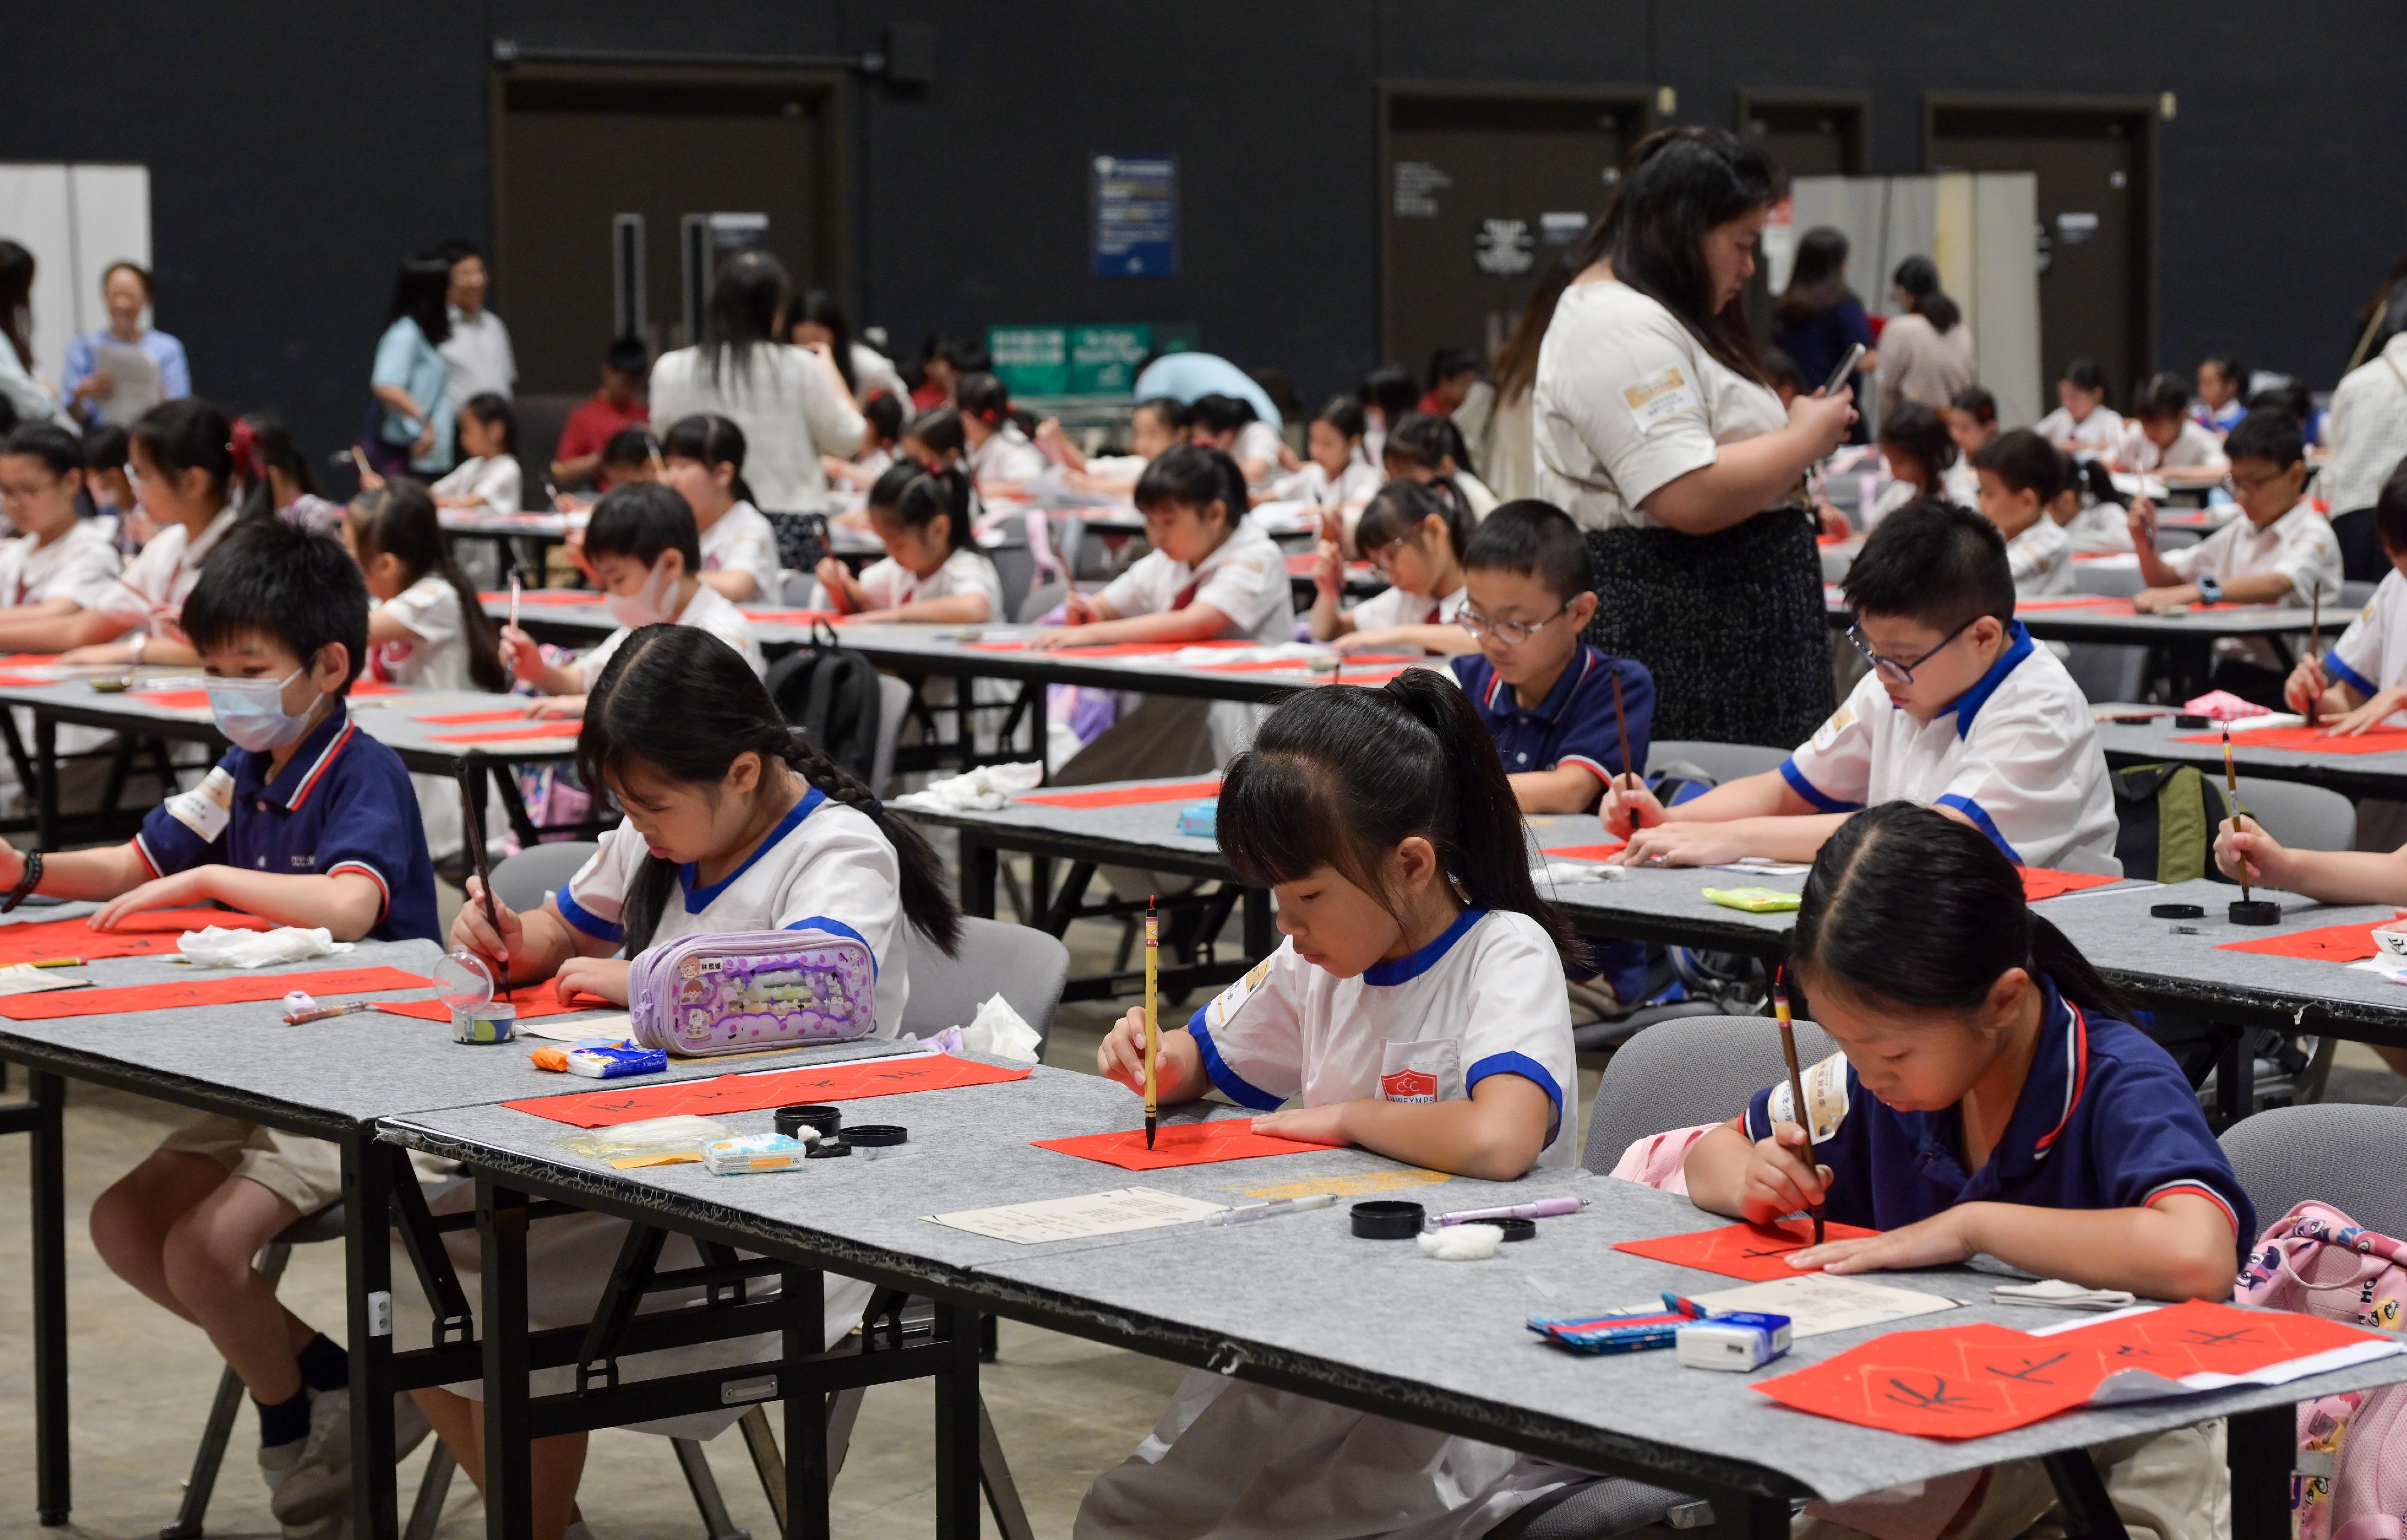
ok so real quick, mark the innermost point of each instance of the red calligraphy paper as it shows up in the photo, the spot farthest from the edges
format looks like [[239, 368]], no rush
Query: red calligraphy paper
[[27, 660], [541, 597], [1180, 1144], [795, 617], [1127, 796], [471, 719], [204, 990], [2324, 944], [1605, 851], [533, 1000], [175, 700], [145, 933], [2199, 1336], [759, 1092], [1349, 662], [1106, 649], [563, 727], [1753, 1251], [1959, 1382], [2041, 882], [2311, 740]]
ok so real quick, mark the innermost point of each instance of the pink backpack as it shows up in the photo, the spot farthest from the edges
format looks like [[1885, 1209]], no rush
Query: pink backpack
[[2351, 1481]]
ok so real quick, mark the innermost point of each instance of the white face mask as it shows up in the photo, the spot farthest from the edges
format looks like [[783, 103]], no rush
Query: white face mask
[[644, 607], [250, 712]]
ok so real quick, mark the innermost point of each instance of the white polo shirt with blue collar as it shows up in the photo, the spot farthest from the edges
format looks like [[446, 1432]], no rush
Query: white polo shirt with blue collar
[[2017, 754], [824, 867]]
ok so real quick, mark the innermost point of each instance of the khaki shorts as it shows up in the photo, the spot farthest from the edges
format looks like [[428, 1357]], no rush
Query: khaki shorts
[[306, 1173]]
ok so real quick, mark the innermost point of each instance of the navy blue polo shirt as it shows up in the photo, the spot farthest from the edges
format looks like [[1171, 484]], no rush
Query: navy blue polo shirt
[[1573, 724], [344, 804], [2105, 1120]]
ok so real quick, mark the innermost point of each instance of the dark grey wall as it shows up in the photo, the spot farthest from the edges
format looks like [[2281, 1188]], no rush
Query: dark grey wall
[[297, 151]]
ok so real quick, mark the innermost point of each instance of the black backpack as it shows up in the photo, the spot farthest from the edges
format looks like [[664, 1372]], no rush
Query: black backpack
[[2166, 817], [831, 693]]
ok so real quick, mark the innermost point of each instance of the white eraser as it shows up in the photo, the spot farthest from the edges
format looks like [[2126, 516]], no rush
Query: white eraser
[[1736, 1342], [1462, 1242]]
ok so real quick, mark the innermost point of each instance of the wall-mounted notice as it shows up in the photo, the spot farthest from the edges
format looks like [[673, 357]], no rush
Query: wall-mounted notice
[[1136, 216]]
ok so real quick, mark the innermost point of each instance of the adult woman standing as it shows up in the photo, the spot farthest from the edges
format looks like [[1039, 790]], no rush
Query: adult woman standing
[[1501, 445], [1819, 318], [1656, 431], [411, 378], [1927, 350], [790, 401], [28, 398], [91, 387]]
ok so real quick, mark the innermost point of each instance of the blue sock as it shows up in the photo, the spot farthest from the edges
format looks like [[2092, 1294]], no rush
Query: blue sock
[[286, 1421], [324, 1365]]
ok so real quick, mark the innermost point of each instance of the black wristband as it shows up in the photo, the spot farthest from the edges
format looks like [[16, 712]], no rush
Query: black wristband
[[25, 884]]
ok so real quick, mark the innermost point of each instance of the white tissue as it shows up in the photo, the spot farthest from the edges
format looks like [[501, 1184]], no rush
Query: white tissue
[[219, 948], [1462, 1242], [1561, 874], [988, 789], [998, 1030]]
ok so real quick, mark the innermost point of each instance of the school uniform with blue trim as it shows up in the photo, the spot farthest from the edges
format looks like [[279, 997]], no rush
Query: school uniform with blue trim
[[1230, 1457], [2107, 1120], [341, 804], [1574, 723], [2017, 754]]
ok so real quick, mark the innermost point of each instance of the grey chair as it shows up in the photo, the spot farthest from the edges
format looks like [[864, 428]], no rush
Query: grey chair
[[2112, 580], [2354, 596], [1724, 762], [2285, 1155], [524, 880], [1015, 567], [1027, 967], [1677, 1075], [1041, 598], [893, 708], [2304, 816]]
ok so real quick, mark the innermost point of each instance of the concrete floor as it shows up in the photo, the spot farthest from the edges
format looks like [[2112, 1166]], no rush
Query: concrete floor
[[1067, 1409]]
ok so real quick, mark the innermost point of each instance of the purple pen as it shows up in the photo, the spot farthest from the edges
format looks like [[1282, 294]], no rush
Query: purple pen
[[1543, 1208]]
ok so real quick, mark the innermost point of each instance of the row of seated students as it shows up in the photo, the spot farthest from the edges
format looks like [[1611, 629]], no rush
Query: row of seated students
[[1386, 821]]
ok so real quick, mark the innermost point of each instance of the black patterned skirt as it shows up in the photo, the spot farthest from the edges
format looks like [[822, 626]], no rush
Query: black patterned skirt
[[1732, 625]]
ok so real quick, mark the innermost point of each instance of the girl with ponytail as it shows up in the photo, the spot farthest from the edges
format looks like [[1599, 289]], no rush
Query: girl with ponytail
[[1988, 1096], [934, 569], [1416, 1007]]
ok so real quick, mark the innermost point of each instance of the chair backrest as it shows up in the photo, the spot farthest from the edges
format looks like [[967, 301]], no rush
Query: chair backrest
[[2111, 578], [2355, 595], [798, 589], [894, 705], [2304, 816], [2330, 1151], [1015, 568], [524, 880], [541, 420], [1689, 1070], [1040, 599], [1724, 762], [1027, 967]]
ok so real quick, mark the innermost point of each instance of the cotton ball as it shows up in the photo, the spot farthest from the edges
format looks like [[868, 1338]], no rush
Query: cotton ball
[[1462, 1242]]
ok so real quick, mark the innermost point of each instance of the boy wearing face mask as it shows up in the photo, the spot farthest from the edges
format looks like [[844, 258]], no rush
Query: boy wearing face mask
[[643, 545], [308, 821]]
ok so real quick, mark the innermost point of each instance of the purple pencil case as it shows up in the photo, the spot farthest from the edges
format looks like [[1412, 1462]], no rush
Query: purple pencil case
[[731, 993]]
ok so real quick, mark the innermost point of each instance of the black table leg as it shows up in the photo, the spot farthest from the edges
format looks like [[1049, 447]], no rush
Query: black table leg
[[502, 1232], [978, 867], [957, 1513], [2081, 1492], [1750, 1516], [46, 779], [367, 1255], [804, 1291], [52, 1476], [2235, 1078], [2260, 1449]]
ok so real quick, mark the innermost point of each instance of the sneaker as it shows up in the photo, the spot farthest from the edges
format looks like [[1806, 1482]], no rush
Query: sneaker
[[276, 1462], [318, 1482]]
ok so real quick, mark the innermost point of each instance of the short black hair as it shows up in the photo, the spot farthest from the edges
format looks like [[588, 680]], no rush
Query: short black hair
[[1193, 476], [1537, 540], [1780, 369], [640, 521], [1173, 412], [2390, 512], [1220, 414], [1915, 428], [1936, 563], [2022, 461], [2165, 395], [1446, 362], [272, 579], [493, 409], [2267, 433], [632, 445], [2085, 372], [105, 447], [57, 450], [629, 356], [1980, 400]]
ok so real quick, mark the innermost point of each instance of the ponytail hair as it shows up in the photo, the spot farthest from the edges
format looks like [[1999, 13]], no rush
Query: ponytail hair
[[677, 703], [710, 441], [1919, 278], [1907, 906], [938, 428], [1340, 777], [1398, 511], [1193, 477], [259, 444], [398, 520], [917, 496], [189, 433]]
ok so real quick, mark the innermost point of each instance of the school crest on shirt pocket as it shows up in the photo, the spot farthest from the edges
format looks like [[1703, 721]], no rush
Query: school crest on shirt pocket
[[1420, 1071]]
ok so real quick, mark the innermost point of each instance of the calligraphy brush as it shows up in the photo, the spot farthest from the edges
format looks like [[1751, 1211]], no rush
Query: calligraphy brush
[[1796, 1080]]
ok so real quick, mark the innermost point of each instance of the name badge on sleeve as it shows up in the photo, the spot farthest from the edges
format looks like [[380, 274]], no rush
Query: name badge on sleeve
[[1827, 734], [206, 808], [1657, 400]]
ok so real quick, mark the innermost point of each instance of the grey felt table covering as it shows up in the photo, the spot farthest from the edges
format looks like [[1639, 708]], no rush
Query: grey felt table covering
[[2383, 775], [388, 718], [2081, 625], [326, 1076], [1299, 1298]]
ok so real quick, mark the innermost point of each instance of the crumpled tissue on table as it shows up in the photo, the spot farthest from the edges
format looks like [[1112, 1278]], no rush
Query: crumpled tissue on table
[[219, 948], [996, 1029], [1560, 873], [988, 789]]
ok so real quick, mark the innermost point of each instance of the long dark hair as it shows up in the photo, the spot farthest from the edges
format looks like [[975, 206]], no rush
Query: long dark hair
[[746, 300], [682, 703], [421, 290], [1676, 184], [710, 440], [916, 496], [1516, 363], [1919, 278], [821, 309], [189, 433], [1921, 433], [17, 300], [398, 520], [1340, 777], [1398, 511], [260, 444], [1817, 280], [1906, 905]]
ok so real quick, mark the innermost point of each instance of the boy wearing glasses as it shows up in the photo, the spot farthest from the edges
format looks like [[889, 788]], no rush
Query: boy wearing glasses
[[1960, 712], [1545, 695]]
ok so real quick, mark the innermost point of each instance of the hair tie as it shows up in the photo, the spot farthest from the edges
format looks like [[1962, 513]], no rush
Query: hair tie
[[243, 450]]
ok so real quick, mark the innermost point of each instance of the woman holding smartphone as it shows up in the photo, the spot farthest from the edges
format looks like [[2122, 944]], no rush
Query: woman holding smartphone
[[1657, 430]]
